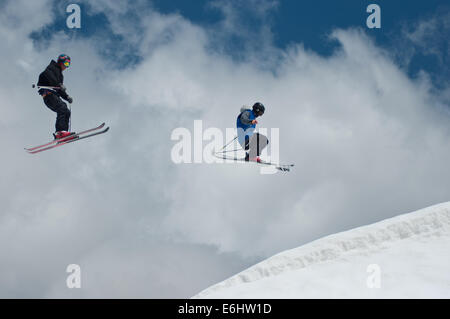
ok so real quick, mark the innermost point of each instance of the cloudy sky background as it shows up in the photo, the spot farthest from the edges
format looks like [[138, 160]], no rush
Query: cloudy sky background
[[365, 118]]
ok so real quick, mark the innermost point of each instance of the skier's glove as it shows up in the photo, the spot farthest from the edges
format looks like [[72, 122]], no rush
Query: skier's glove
[[69, 99]]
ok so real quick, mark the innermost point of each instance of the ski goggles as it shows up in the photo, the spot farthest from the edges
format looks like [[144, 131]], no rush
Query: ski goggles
[[66, 63]]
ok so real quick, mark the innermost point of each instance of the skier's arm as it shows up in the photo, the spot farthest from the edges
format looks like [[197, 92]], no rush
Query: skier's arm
[[245, 118], [62, 93], [69, 99]]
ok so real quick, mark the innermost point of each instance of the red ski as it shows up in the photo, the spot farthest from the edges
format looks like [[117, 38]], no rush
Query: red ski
[[71, 138]]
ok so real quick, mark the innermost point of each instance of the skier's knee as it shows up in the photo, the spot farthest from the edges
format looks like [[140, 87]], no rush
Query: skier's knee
[[65, 111]]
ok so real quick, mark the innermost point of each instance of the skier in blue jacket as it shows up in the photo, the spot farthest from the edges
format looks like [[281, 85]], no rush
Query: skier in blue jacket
[[252, 143]]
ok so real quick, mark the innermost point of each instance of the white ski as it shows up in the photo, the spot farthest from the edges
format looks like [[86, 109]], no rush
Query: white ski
[[280, 167]]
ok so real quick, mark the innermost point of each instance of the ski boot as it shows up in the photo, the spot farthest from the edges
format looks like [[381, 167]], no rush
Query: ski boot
[[253, 159], [62, 135]]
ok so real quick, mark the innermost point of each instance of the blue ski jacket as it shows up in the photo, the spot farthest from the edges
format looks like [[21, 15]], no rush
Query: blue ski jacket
[[244, 125]]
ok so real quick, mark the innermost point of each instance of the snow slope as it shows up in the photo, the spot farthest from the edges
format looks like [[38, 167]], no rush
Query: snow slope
[[407, 256]]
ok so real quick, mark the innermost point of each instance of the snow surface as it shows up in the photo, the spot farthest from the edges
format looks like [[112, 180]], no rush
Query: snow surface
[[411, 252]]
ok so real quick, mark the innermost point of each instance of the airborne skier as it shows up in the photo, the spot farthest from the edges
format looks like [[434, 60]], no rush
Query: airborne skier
[[52, 90], [252, 143]]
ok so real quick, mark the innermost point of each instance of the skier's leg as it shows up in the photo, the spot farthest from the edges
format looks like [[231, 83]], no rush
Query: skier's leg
[[63, 117], [247, 147], [257, 144], [244, 139], [247, 143], [55, 104]]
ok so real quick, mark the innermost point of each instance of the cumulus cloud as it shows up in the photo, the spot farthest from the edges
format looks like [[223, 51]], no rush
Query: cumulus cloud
[[368, 143], [364, 137]]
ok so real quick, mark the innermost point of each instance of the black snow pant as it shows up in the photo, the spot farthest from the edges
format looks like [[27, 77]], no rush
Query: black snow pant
[[55, 104], [255, 145]]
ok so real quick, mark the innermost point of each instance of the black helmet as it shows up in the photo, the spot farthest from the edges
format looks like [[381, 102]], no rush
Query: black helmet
[[258, 109]]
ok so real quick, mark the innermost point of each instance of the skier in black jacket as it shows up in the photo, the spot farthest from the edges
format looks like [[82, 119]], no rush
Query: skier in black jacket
[[52, 79]]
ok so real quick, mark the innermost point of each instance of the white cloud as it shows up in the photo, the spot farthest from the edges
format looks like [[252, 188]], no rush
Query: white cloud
[[431, 34], [367, 141], [24, 17], [353, 120], [427, 37]]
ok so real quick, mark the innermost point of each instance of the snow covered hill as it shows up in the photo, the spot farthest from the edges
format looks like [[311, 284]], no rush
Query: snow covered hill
[[407, 256]]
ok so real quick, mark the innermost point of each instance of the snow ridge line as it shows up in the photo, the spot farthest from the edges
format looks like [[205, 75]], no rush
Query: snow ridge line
[[433, 221]]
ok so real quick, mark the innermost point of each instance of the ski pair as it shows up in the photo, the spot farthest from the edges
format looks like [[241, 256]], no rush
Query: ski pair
[[68, 139], [280, 167]]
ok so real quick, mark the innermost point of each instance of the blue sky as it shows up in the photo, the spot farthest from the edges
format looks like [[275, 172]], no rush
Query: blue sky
[[309, 21], [290, 22]]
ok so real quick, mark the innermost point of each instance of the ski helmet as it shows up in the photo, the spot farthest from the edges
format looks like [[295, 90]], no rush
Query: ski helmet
[[258, 108], [64, 59]]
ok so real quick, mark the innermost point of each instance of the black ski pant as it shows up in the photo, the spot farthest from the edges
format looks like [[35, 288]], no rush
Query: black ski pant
[[55, 104], [255, 144]]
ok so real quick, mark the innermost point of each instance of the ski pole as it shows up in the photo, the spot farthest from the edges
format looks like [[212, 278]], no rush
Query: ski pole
[[227, 145], [45, 87], [70, 118], [229, 151]]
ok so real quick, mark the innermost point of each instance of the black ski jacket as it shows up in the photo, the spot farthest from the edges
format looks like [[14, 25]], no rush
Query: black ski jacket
[[52, 76]]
